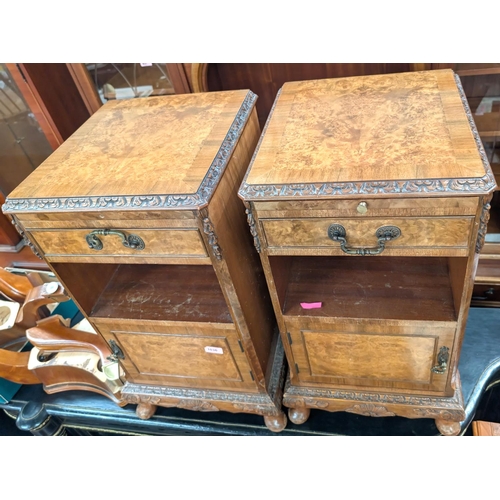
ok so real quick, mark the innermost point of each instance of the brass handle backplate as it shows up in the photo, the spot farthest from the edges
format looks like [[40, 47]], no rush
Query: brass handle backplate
[[337, 232], [130, 241], [442, 359]]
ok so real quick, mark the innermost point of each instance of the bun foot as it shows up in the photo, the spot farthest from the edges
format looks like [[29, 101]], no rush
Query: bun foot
[[145, 410], [275, 423], [298, 415], [448, 427]]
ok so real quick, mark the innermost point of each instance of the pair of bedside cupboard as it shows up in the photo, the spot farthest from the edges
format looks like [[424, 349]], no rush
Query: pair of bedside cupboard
[[368, 201], [138, 216]]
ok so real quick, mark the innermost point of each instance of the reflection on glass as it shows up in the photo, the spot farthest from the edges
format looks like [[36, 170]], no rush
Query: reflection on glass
[[481, 83], [23, 145], [129, 80]]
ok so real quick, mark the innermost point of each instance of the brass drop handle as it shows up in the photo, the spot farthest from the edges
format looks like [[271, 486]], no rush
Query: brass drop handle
[[130, 241], [442, 359], [337, 232]]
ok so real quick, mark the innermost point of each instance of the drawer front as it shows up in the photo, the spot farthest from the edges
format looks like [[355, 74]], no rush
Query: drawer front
[[399, 358], [156, 242], [486, 295], [375, 207], [185, 356], [418, 236]]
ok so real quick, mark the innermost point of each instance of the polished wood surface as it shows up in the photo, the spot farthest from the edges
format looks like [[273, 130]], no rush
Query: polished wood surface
[[377, 128], [51, 335], [161, 145], [246, 289], [265, 79], [481, 428], [14, 367], [14, 286]]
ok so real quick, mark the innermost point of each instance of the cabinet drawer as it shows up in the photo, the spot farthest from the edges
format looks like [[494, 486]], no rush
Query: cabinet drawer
[[155, 242], [373, 207], [418, 236], [166, 353], [397, 357]]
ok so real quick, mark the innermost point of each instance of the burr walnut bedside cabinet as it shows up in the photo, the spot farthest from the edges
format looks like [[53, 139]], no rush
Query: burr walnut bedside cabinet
[[367, 199], [138, 215]]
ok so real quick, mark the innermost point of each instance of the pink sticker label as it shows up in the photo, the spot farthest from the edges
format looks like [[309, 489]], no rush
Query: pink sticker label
[[311, 305]]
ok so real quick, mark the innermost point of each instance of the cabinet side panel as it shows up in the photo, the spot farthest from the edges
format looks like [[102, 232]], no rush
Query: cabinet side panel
[[227, 214]]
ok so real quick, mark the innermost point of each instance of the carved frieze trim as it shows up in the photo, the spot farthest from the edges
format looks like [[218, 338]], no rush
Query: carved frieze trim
[[483, 223], [198, 199], [199, 400], [209, 230], [21, 232], [293, 392], [329, 190], [478, 185], [253, 229], [370, 410], [448, 415]]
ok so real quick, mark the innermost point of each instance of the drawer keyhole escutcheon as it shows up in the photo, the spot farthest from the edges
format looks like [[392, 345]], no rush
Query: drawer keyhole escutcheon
[[442, 359], [130, 241], [362, 208], [337, 232]]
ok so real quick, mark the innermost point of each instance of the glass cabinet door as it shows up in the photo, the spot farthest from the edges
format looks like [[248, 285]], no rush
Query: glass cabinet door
[[130, 80], [23, 144]]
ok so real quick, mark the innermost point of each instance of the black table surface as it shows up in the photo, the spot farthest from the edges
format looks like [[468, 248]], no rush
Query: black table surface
[[88, 413]]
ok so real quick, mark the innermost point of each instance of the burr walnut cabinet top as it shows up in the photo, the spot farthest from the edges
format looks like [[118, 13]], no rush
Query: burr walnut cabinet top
[[395, 134], [155, 153]]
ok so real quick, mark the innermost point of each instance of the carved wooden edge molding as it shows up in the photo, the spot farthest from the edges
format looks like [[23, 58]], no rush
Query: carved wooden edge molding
[[483, 223], [376, 404], [370, 410], [484, 184], [213, 400], [208, 229], [198, 199], [253, 229], [21, 232]]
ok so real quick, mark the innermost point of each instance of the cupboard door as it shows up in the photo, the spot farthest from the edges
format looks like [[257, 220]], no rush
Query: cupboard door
[[195, 355], [404, 360]]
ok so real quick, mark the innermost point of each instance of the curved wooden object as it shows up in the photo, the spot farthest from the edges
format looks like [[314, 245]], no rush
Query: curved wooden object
[[14, 367], [298, 415], [448, 427], [275, 423], [50, 335], [36, 298], [13, 286], [199, 77]]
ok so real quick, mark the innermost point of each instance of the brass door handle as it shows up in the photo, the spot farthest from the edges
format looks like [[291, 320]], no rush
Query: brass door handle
[[442, 359], [130, 241], [337, 232]]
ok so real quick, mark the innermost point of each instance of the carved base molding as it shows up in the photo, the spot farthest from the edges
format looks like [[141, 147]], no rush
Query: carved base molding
[[447, 411], [268, 404]]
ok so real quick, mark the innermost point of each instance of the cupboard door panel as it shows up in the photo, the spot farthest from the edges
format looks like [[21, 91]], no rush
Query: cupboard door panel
[[392, 360]]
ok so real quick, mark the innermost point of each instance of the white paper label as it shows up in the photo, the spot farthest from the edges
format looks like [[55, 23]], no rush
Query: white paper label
[[214, 350], [146, 64]]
